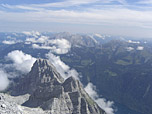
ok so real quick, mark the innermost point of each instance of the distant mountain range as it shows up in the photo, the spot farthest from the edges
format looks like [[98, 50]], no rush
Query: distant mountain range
[[119, 67]]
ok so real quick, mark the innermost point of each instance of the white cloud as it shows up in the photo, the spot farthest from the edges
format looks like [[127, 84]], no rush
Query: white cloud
[[111, 16], [32, 33], [21, 61], [4, 82], [140, 48], [65, 3], [98, 35], [134, 42], [42, 39], [33, 40], [9, 42], [62, 46], [145, 2], [58, 46], [37, 39], [129, 48], [105, 105], [122, 16], [36, 46], [61, 67], [27, 33]]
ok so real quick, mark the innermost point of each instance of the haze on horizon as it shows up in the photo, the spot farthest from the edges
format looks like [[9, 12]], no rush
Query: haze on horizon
[[114, 17]]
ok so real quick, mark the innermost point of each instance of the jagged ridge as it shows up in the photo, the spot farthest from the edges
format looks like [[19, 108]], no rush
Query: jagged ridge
[[50, 92]]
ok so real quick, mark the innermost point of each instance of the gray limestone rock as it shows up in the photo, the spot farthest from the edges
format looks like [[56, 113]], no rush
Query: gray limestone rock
[[50, 92]]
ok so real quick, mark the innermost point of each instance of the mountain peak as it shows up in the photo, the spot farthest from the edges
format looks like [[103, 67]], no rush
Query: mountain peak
[[45, 71], [49, 91], [42, 73], [43, 63]]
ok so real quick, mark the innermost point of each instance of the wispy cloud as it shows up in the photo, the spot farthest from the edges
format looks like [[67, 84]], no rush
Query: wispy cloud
[[61, 67], [105, 105], [62, 4], [117, 16], [58, 46], [4, 82], [149, 2], [104, 13], [66, 3]]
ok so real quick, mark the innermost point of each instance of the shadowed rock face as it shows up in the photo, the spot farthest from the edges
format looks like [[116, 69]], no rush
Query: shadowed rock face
[[50, 92], [42, 73]]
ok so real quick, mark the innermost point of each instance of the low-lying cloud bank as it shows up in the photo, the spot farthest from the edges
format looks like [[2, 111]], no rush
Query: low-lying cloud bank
[[105, 105], [62, 46], [58, 46], [21, 63], [9, 42], [38, 41]]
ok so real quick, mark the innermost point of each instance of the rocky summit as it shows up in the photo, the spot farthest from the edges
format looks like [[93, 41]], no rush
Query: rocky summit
[[49, 91]]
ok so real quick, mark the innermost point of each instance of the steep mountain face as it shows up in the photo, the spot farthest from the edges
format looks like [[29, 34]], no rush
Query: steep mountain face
[[50, 92], [42, 72]]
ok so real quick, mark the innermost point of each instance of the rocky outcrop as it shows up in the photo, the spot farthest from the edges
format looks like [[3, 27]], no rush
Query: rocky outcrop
[[50, 92], [8, 107], [11, 105], [42, 73]]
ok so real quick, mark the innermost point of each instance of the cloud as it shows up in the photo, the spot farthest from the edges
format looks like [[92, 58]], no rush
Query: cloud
[[129, 48], [145, 2], [121, 16], [62, 46], [33, 40], [128, 18], [41, 39], [58, 46], [36, 46], [62, 3], [21, 61], [103, 14], [61, 67], [4, 82], [134, 42], [105, 105], [67, 3], [33, 33], [140, 48], [9, 42]]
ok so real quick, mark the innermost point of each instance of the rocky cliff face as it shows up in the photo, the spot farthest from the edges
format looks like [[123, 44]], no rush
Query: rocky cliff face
[[42, 73], [50, 92]]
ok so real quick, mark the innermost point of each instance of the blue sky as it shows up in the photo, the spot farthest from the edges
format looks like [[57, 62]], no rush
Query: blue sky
[[115, 17]]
